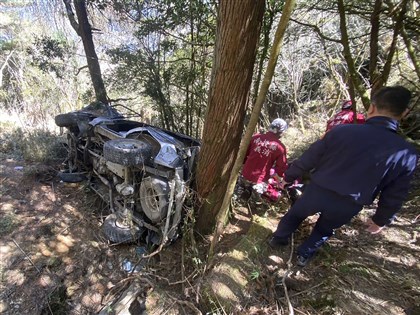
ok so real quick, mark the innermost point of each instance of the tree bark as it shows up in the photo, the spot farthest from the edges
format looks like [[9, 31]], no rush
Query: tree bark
[[84, 30], [238, 30], [275, 51]]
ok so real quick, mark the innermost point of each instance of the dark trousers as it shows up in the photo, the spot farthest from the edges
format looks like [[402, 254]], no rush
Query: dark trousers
[[335, 211]]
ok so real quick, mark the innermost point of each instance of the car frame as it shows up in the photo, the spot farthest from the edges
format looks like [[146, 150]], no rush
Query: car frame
[[143, 172]]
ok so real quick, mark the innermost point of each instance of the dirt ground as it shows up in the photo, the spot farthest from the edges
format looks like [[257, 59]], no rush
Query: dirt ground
[[54, 259]]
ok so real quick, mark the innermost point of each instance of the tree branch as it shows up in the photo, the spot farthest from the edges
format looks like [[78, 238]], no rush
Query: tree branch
[[317, 30], [71, 17], [397, 29], [374, 36], [80, 69], [348, 57], [4, 66], [411, 51]]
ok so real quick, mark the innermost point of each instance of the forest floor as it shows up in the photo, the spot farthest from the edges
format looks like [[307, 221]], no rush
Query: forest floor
[[54, 259]]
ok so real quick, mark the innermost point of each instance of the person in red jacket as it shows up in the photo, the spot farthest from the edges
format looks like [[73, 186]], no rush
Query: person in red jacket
[[265, 152], [345, 116]]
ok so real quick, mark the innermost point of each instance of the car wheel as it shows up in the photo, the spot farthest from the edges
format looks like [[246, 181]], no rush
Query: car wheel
[[67, 120], [119, 233], [128, 152], [154, 198]]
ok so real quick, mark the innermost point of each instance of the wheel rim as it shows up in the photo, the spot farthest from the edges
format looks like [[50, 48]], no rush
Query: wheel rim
[[152, 200]]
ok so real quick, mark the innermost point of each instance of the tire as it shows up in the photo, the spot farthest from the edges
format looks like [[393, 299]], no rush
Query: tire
[[66, 120], [71, 120], [117, 233], [128, 152], [154, 198], [71, 177]]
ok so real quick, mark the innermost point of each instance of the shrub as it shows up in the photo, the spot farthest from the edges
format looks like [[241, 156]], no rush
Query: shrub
[[35, 145]]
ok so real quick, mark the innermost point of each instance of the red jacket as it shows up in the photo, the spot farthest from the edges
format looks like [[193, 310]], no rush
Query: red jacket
[[346, 116], [264, 151]]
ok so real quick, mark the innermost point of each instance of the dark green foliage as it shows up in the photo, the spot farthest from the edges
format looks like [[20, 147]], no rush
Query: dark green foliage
[[169, 58], [7, 223], [49, 54]]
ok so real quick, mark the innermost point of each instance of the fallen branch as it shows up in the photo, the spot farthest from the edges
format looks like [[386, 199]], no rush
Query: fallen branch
[[118, 288], [26, 255], [53, 192], [186, 303], [307, 290], [283, 281], [172, 283], [300, 312], [123, 304], [183, 279], [66, 228]]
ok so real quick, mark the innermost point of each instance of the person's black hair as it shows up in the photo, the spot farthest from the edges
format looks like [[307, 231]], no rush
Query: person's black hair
[[394, 99]]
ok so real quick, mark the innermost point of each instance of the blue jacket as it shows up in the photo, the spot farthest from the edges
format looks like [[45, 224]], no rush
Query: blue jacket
[[361, 161]]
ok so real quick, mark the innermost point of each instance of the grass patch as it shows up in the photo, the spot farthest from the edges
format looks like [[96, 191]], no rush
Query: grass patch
[[358, 269], [35, 145], [57, 302], [325, 304], [7, 224], [329, 256]]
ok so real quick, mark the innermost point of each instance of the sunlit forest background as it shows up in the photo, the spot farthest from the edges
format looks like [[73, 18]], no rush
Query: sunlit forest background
[[156, 57]]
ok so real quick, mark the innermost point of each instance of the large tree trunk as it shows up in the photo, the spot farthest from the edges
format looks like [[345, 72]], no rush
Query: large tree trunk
[[84, 30], [256, 110], [236, 41]]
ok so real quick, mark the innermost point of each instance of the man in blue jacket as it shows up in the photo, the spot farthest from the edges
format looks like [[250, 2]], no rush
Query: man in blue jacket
[[350, 167]]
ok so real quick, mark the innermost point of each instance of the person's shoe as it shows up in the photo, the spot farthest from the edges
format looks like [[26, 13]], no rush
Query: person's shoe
[[277, 242], [302, 261]]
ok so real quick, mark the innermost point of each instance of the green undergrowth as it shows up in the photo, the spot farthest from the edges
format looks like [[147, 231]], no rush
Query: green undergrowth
[[7, 223], [57, 303], [35, 145]]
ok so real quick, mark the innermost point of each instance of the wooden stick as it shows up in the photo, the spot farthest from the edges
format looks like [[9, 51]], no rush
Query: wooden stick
[[187, 303], [26, 255], [283, 281]]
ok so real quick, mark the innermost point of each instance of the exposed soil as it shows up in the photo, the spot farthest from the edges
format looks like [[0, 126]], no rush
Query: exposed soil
[[55, 260]]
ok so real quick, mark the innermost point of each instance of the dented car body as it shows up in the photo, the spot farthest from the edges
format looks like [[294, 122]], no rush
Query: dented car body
[[141, 171]]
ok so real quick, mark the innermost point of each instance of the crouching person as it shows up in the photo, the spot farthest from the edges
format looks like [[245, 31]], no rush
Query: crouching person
[[265, 153], [351, 166]]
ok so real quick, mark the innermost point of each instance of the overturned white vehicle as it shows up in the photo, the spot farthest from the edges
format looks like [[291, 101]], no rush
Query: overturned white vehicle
[[141, 171]]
